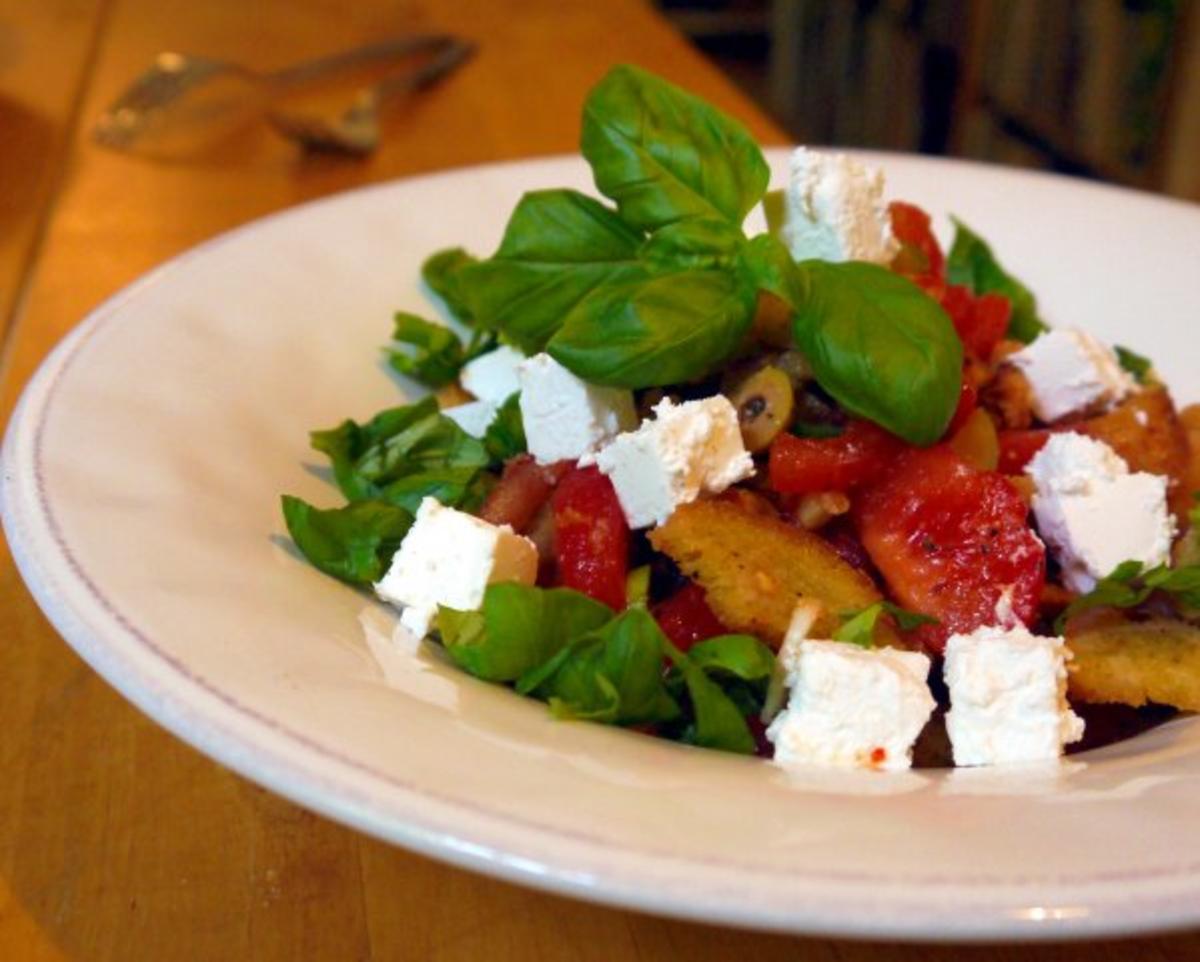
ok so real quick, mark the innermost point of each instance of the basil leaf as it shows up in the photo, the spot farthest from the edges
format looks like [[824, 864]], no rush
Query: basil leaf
[[505, 436], [405, 453], [355, 543], [859, 627], [698, 242], [660, 330], [1131, 583], [767, 265], [438, 354], [457, 487], [882, 347], [971, 262], [443, 273], [558, 247], [613, 674], [522, 628], [346, 443], [665, 155], [431, 444], [1136, 364], [743, 656], [718, 722]]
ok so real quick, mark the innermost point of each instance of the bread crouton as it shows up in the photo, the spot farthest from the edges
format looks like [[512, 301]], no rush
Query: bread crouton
[[1132, 663], [754, 568], [1146, 432]]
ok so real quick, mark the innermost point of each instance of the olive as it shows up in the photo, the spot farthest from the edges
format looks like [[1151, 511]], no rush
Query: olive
[[764, 406]]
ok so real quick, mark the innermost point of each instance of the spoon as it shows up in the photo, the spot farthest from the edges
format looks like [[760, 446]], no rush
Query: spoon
[[184, 102]]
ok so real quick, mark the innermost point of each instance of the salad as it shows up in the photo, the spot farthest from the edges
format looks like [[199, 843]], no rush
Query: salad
[[823, 494]]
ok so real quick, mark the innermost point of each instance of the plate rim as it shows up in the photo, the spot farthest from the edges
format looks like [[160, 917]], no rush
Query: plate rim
[[29, 524]]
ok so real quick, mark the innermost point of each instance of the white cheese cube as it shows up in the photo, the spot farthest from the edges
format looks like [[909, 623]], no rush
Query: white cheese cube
[[1070, 372], [449, 558], [687, 450], [473, 417], [565, 417], [834, 209], [493, 376], [1093, 513], [1008, 697], [851, 707]]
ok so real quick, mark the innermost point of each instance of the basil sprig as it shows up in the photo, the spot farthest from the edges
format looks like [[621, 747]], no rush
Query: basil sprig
[[1131, 583], [972, 263], [354, 543], [663, 288]]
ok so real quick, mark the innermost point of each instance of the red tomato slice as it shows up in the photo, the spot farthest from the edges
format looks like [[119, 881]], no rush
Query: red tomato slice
[[949, 541], [920, 254], [1017, 449], [686, 618], [808, 465], [591, 537], [981, 321]]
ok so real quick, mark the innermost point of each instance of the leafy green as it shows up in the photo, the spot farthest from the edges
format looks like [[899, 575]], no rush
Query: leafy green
[[858, 628], [613, 674], [1131, 583], [971, 262], [661, 330], [354, 543], [766, 265], [881, 347], [1136, 364], [665, 155], [438, 354], [505, 436], [558, 247], [347, 442], [742, 656], [518, 629], [404, 453], [443, 273], [718, 722], [698, 242]]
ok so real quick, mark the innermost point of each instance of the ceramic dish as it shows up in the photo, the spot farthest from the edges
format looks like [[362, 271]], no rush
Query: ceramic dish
[[141, 480]]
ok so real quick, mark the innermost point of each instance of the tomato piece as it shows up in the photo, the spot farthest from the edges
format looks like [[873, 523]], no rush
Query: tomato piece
[[1017, 449], [950, 541], [524, 487], [920, 253], [981, 322], [591, 537], [808, 465], [686, 618]]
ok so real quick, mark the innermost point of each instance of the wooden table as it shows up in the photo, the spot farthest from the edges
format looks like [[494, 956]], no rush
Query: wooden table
[[117, 841]]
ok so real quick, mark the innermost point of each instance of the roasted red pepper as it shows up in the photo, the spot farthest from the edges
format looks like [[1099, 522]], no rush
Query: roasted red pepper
[[808, 465]]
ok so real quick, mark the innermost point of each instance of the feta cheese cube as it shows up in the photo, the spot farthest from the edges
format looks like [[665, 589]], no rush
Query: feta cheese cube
[[851, 707], [1008, 697], [565, 417], [1093, 513], [449, 558], [493, 376], [473, 417], [1070, 372], [686, 450], [834, 209]]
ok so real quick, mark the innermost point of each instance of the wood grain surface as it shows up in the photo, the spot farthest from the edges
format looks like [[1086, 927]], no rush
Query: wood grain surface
[[116, 840]]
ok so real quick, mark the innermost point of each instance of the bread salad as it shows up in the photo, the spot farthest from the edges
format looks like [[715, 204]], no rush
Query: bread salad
[[822, 494]]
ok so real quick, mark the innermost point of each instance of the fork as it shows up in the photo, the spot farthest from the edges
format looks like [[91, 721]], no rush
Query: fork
[[183, 102]]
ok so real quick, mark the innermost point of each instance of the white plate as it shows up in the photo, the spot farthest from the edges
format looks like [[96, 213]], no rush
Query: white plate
[[142, 473]]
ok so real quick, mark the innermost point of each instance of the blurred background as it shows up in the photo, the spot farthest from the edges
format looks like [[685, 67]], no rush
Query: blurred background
[[1101, 88]]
